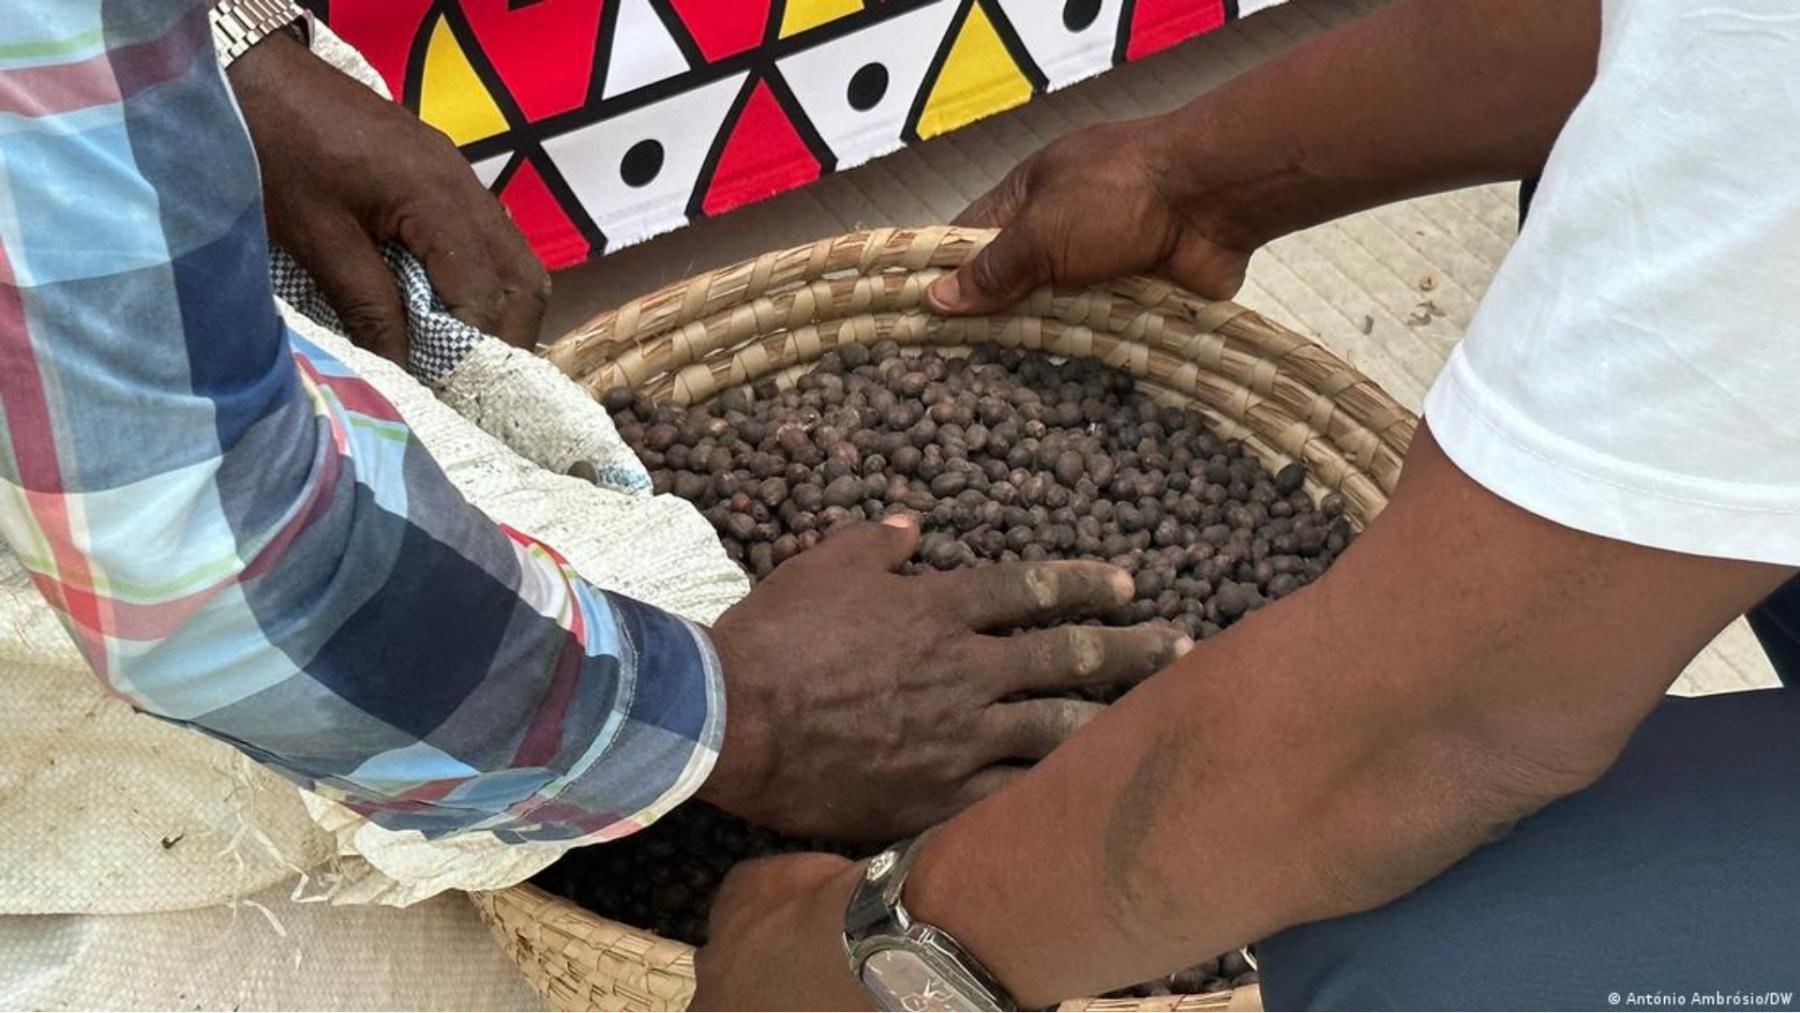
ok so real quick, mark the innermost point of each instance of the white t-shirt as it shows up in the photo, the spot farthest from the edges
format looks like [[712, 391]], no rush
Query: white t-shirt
[[1634, 371]]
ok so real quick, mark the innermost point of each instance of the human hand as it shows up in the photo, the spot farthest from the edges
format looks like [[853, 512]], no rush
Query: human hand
[[344, 171], [863, 705], [776, 938], [1094, 204]]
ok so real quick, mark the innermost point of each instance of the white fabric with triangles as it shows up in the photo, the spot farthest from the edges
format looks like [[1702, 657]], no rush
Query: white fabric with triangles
[[643, 52], [1065, 55], [683, 126], [820, 78]]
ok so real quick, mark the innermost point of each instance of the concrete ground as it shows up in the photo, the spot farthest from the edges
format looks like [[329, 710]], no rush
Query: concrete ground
[[1391, 290]]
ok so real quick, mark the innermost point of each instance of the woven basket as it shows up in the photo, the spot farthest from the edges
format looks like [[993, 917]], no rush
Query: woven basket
[[1287, 398]]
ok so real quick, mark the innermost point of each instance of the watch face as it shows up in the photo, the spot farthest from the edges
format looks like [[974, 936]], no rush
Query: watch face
[[900, 979]]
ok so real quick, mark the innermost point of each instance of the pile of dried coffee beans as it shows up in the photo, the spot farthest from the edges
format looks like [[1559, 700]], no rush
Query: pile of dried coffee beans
[[1003, 455]]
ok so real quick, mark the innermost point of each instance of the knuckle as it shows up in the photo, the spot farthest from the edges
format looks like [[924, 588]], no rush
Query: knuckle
[[1071, 715], [1014, 191], [985, 272], [948, 766], [1168, 645], [367, 317], [1043, 653], [1041, 585], [1057, 722], [1086, 653], [1018, 186], [533, 282]]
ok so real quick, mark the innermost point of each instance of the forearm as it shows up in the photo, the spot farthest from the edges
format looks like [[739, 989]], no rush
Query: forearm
[[1420, 97], [1330, 753], [1218, 803]]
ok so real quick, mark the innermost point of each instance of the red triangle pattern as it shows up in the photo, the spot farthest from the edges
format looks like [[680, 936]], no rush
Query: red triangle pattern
[[723, 27], [383, 31], [764, 155], [1159, 24], [544, 51], [555, 238]]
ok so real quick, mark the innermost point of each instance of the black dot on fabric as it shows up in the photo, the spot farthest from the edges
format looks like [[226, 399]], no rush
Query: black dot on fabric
[[641, 163], [1078, 14], [867, 86]]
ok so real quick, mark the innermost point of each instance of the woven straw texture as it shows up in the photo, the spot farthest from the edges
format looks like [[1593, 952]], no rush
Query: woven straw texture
[[1285, 397]]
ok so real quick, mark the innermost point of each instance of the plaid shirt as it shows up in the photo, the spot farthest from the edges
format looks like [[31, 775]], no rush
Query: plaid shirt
[[242, 535]]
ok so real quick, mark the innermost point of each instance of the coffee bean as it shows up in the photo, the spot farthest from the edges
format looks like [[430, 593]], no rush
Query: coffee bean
[[616, 400], [785, 548], [772, 491], [690, 486], [949, 483], [1235, 599], [1233, 964], [1290, 478], [940, 550], [844, 491], [1069, 467]]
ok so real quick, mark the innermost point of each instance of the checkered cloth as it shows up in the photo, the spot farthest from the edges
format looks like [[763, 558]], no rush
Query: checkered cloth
[[436, 341], [241, 535]]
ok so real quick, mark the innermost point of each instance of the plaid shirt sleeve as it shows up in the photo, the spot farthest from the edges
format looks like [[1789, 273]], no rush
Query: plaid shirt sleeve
[[242, 535]]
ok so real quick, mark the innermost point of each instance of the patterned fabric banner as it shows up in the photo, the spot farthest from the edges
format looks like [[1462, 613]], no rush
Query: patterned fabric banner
[[603, 122]]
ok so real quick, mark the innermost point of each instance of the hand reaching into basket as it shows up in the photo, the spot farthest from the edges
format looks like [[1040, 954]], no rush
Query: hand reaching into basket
[[864, 705], [1192, 193], [1094, 204]]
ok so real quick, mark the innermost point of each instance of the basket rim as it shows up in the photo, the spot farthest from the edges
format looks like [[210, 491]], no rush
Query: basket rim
[[1255, 379], [1242, 997]]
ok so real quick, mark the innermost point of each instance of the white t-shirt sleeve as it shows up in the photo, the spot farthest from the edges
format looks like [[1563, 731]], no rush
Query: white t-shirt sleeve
[[1634, 371]]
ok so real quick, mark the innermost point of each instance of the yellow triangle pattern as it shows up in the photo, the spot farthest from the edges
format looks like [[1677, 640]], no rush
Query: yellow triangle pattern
[[451, 95], [799, 15], [979, 78]]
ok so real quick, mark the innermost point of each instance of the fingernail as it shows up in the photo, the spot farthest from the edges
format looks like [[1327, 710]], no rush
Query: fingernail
[[897, 521], [1183, 645], [1122, 583], [945, 292]]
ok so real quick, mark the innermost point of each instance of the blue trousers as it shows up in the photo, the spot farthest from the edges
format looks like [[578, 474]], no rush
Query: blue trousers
[[1672, 883]]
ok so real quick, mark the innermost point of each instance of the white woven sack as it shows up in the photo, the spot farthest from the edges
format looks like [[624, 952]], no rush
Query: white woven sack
[[105, 810], [262, 953]]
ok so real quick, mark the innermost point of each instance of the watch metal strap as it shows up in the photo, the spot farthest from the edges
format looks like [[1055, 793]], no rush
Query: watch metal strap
[[876, 902], [876, 917], [238, 25]]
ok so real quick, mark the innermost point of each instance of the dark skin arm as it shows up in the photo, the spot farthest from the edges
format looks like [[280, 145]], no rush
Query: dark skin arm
[[1420, 97], [1464, 664], [344, 170]]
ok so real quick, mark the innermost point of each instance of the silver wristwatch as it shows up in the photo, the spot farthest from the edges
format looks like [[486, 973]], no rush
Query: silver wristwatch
[[239, 24], [907, 964]]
